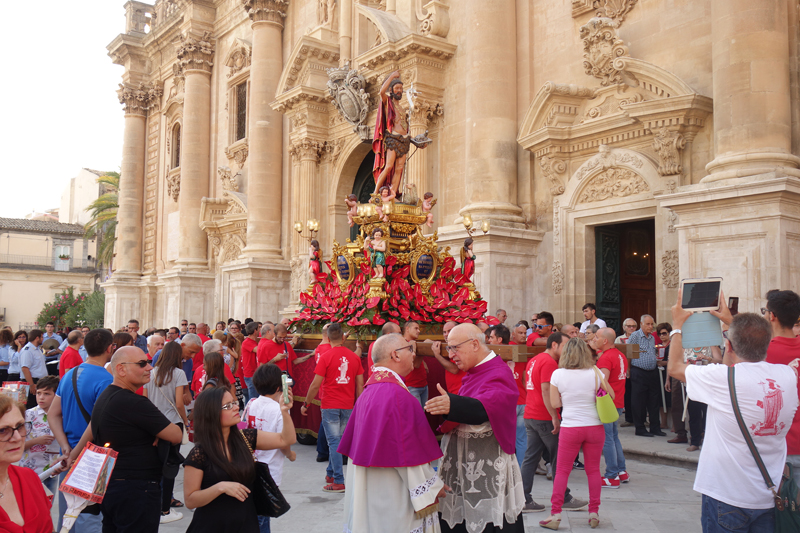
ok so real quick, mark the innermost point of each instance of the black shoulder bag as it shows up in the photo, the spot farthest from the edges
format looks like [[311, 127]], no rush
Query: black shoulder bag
[[787, 496], [266, 495]]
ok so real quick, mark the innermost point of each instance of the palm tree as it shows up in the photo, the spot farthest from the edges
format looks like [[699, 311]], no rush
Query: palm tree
[[103, 224]]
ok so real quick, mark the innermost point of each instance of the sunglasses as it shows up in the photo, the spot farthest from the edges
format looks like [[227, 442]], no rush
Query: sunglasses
[[143, 363], [630, 325], [662, 333], [229, 406], [541, 326], [764, 311], [23, 430]]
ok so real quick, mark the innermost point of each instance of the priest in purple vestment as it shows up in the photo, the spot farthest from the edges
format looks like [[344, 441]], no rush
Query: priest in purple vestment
[[391, 483], [479, 435]]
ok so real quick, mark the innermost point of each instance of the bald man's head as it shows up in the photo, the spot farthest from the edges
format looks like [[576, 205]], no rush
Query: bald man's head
[[389, 327], [470, 346], [604, 339], [130, 368], [394, 352]]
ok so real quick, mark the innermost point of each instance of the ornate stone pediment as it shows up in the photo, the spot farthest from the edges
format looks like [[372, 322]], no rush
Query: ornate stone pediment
[[612, 183], [239, 57], [225, 222], [349, 97], [307, 65], [615, 10]]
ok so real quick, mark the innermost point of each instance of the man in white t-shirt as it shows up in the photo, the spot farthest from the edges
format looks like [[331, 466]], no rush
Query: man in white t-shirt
[[590, 314], [735, 495]]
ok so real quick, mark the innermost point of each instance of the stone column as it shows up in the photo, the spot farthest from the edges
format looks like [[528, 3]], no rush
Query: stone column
[[345, 31], [303, 204], [752, 104], [417, 166], [491, 122], [136, 101], [265, 134], [195, 57]]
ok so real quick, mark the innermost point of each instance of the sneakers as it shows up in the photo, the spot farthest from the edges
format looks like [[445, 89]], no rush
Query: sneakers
[[334, 487], [577, 465], [575, 505], [624, 477], [329, 480], [171, 516], [610, 483], [533, 507]]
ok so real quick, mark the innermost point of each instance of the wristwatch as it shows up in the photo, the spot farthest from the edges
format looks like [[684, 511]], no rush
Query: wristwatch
[[674, 331]]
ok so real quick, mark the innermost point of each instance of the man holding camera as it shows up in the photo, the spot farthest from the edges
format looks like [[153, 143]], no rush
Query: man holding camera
[[735, 495]]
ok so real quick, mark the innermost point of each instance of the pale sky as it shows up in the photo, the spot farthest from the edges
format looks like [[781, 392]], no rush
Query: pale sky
[[60, 110]]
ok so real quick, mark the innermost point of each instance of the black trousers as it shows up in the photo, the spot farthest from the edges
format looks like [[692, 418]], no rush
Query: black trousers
[[628, 408], [645, 398]]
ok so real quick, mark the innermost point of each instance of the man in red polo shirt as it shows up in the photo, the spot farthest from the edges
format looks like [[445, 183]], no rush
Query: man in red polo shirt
[[452, 375], [542, 329], [248, 356], [417, 380], [542, 421], [71, 358], [341, 377], [277, 351], [613, 364], [500, 334]]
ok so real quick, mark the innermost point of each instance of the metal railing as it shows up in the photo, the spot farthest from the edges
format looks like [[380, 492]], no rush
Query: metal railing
[[16, 259]]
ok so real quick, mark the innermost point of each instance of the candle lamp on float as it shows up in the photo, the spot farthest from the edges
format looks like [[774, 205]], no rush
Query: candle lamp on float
[[314, 252], [467, 255]]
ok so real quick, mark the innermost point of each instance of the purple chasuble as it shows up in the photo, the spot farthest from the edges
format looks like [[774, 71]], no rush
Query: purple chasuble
[[388, 427], [492, 383]]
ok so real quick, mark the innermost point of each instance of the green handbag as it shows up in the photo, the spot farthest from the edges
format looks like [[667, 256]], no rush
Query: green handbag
[[787, 496], [606, 409]]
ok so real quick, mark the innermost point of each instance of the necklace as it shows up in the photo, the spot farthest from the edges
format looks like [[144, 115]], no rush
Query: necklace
[[4, 487]]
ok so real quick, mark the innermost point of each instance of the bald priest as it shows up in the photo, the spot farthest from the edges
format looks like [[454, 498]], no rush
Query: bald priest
[[391, 484]]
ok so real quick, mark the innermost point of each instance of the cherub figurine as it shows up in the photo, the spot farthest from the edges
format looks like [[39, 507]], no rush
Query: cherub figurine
[[427, 204], [314, 262], [352, 204], [377, 249], [467, 259], [387, 195]]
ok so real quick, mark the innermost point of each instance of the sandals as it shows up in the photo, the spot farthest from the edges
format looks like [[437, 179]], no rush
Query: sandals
[[552, 522], [176, 503], [594, 521]]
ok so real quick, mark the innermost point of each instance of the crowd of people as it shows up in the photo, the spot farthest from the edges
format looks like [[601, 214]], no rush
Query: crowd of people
[[501, 422]]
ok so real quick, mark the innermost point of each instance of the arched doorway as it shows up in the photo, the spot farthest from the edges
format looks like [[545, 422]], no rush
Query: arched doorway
[[363, 186]]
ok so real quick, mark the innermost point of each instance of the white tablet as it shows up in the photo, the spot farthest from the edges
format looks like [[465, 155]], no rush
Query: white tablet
[[701, 294]]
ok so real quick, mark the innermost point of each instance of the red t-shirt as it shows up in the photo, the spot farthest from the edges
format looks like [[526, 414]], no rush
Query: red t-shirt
[[786, 351], [538, 371], [453, 381], [616, 363], [203, 338], [418, 377], [197, 362], [69, 359], [318, 351], [338, 367], [532, 337], [518, 369], [271, 349], [248, 355], [199, 377]]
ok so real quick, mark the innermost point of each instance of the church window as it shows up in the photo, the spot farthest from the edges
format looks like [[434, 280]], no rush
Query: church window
[[241, 111], [176, 146]]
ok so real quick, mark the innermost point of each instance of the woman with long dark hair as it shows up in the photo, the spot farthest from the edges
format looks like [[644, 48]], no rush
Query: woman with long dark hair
[[234, 350], [213, 373], [14, 351], [165, 390], [219, 473]]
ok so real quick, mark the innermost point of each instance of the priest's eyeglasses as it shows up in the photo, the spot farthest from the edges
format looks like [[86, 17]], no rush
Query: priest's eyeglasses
[[23, 430], [410, 347], [454, 348]]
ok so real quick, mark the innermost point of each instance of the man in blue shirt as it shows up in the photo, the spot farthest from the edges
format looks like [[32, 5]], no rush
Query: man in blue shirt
[[66, 417], [49, 333], [138, 340], [645, 383], [32, 365]]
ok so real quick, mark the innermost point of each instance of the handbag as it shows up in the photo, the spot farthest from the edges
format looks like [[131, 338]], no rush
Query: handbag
[[787, 496], [267, 496], [606, 409]]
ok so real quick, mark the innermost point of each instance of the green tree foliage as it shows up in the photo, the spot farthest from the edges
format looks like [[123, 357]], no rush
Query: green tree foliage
[[68, 309], [103, 224]]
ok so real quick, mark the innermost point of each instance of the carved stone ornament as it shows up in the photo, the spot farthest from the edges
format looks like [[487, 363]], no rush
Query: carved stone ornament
[[307, 149], [556, 223], [196, 54], [229, 182], [237, 153], [424, 113], [140, 99], [295, 282], [616, 10], [601, 46], [558, 277], [668, 145], [669, 269], [349, 97], [613, 183], [437, 20], [673, 219], [552, 168], [266, 10], [239, 57], [174, 185], [326, 14], [607, 158], [671, 187], [331, 151], [178, 81]]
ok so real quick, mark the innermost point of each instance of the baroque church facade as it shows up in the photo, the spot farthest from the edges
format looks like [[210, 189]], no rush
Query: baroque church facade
[[615, 147]]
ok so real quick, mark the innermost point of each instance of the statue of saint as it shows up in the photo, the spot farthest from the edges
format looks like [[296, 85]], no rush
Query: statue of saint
[[391, 140], [314, 261], [467, 259], [377, 248]]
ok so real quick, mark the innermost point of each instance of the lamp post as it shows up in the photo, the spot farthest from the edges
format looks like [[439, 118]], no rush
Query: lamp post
[[467, 221], [311, 224]]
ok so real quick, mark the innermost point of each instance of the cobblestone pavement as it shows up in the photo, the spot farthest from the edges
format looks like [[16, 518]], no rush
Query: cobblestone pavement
[[659, 498]]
